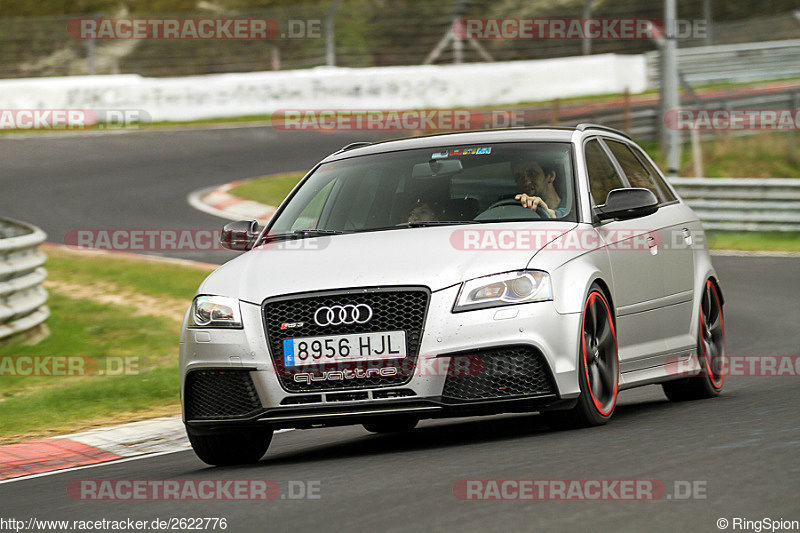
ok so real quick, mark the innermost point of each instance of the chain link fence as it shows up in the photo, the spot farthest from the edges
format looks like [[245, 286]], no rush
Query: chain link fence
[[358, 33]]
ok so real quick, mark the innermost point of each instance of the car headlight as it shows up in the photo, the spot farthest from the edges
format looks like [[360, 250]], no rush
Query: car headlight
[[510, 288], [215, 312]]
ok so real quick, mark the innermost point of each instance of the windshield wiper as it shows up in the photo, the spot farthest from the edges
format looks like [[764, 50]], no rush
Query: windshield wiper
[[316, 232], [419, 224], [302, 234], [427, 223]]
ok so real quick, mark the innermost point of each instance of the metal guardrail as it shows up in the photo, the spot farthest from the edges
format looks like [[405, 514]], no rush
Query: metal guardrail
[[733, 63], [22, 298], [749, 204], [643, 121]]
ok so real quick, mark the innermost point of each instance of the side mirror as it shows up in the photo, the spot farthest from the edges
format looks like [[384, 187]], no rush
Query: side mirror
[[624, 204], [240, 235]]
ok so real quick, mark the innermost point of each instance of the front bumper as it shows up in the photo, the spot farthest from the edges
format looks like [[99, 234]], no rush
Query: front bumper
[[537, 326]]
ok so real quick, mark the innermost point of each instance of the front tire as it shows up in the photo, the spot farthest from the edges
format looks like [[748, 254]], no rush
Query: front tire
[[710, 353], [598, 368], [237, 448]]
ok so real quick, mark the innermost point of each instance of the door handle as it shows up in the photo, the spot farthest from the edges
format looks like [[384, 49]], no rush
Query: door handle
[[653, 244], [687, 236]]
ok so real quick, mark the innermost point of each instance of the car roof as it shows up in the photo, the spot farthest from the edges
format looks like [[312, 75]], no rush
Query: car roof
[[551, 134]]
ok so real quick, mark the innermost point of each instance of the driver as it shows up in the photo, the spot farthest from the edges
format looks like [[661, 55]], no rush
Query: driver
[[537, 188], [422, 212]]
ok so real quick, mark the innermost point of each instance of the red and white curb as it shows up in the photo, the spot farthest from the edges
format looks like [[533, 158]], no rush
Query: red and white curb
[[159, 435], [124, 442], [137, 438], [219, 202]]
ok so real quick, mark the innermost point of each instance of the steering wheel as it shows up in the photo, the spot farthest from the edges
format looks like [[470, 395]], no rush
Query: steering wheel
[[511, 201]]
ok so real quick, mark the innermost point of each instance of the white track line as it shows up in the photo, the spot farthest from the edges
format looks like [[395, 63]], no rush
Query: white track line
[[82, 467]]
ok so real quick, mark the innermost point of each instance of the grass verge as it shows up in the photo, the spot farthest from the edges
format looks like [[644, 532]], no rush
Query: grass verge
[[102, 332], [270, 190], [754, 241], [761, 155]]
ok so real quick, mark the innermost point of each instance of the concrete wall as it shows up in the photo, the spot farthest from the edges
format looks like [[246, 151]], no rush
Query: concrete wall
[[407, 87]]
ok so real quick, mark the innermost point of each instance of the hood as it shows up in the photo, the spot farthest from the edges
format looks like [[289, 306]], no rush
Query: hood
[[435, 257]]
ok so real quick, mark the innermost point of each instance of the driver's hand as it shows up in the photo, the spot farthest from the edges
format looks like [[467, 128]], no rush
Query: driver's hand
[[533, 202]]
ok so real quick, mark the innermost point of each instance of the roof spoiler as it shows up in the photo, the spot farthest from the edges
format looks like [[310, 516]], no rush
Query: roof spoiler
[[583, 126], [351, 146]]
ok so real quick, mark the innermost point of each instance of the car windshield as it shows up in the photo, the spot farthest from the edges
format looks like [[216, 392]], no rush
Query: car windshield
[[435, 186]]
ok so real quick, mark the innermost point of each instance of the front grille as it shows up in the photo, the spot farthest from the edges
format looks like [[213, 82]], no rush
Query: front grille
[[395, 393], [393, 309], [220, 394], [347, 396], [498, 373], [300, 400]]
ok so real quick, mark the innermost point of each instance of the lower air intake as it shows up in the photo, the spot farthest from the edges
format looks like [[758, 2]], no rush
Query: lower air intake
[[220, 394], [497, 373]]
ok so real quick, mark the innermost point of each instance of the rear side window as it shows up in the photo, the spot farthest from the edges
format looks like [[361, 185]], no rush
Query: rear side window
[[665, 190], [637, 174], [603, 177]]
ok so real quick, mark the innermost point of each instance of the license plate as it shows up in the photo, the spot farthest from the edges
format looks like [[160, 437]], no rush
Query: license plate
[[303, 351]]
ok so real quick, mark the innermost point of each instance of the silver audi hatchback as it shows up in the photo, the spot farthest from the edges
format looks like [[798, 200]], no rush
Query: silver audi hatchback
[[454, 275]]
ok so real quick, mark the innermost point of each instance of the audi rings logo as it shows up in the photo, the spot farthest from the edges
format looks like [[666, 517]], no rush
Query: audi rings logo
[[336, 315]]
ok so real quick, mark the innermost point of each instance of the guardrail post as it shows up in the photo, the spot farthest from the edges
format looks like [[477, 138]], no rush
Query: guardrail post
[[792, 149], [330, 46]]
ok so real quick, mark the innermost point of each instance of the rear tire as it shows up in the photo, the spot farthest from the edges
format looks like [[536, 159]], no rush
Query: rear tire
[[391, 425], [223, 449], [598, 368], [710, 354]]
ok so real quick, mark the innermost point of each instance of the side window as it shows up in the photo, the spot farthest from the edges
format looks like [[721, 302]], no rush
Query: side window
[[655, 174], [603, 177], [309, 216], [637, 175]]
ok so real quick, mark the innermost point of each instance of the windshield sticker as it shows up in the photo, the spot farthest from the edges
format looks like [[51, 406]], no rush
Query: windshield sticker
[[478, 150]]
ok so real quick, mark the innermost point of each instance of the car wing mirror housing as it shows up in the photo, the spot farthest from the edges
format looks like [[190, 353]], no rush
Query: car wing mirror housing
[[240, 235], [624, 204]]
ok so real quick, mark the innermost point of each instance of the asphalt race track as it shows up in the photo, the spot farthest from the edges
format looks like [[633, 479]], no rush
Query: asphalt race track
[[140, 180], [742, 447]]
